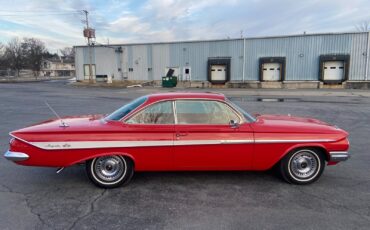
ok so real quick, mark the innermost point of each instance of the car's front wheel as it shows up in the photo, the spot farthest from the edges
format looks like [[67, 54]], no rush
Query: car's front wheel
[[302, 166], [110, 171]]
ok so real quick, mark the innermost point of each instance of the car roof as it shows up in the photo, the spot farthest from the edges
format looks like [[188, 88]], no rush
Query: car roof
[[186, 95]]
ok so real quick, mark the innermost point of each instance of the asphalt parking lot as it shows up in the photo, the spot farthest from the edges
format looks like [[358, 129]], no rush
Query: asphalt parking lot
[[38, 198]]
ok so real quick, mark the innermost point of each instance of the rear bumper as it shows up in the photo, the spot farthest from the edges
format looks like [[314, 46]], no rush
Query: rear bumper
[[15, 156], [337, 156]]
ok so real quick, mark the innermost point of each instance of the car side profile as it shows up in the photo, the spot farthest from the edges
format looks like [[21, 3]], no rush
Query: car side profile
[[181, 132]]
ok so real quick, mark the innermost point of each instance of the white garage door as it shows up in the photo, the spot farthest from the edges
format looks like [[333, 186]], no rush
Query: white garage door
[[218, 72], [333, 70], [271, 71]]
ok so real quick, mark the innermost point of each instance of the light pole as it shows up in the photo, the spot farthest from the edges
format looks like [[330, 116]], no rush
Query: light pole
[[89, 33]]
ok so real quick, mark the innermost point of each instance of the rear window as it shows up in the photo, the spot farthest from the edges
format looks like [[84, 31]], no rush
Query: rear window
[[126, 109]]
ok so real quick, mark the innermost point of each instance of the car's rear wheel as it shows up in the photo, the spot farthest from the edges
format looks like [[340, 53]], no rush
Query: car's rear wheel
[[302, 166], [110, 171]]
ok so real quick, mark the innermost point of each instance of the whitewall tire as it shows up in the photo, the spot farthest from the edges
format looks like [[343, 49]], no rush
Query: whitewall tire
[[302, 166], [110, 171]]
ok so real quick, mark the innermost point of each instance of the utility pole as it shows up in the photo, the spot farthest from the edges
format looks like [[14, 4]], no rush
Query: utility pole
[[89, 45]]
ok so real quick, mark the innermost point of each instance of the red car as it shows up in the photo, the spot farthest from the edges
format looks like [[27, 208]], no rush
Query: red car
[[179, 132]]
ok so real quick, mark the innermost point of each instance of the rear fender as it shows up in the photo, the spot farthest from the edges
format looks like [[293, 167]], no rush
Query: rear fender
[[101, 155]]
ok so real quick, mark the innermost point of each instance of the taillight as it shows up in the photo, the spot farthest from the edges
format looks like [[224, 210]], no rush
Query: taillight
[[11, 140]]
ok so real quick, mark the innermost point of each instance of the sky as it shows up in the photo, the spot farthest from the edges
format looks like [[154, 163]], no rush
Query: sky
[[59, 22]]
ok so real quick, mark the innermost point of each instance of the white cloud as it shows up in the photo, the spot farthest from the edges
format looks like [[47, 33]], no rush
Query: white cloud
[[166, 20], [131, 24]]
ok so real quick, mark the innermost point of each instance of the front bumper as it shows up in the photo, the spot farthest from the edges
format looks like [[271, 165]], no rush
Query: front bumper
[[16, 156], [337, 156]]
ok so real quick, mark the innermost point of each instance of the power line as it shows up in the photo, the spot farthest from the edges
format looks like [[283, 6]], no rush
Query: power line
[[35, 15], [37, 11]]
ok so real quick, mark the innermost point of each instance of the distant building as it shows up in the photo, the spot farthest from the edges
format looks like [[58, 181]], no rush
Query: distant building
[[57, 67], [295, 61]]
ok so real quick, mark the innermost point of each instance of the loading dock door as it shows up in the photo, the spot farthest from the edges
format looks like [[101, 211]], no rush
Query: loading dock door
[[333, 70], [271, 72], [218, 72]]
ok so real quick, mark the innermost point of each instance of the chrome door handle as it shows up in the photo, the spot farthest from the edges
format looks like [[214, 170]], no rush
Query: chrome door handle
[[181, 134]]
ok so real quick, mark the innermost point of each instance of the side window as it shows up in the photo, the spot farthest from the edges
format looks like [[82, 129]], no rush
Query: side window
[[159, 113], [204, 112]]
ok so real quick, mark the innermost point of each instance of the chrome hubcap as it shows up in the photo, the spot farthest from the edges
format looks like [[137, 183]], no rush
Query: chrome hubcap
[[304, 164], [109, 168]]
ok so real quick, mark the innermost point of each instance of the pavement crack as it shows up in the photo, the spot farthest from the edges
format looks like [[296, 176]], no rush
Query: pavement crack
[[90, 210], [27, 202], [8, 189], [38, 215]]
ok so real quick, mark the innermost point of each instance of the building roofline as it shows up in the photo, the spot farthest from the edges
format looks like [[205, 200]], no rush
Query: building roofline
[[186, 95], [220, 40]]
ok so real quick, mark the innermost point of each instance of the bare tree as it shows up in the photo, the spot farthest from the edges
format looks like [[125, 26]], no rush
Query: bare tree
[[67, 52], [15, 55], [34, 51], [2, 56], [363, 26]]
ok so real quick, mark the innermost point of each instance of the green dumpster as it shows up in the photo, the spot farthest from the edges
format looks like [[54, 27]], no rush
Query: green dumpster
[[169, 82]]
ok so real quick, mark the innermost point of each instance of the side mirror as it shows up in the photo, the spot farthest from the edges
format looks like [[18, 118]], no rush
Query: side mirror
[[233, 124]]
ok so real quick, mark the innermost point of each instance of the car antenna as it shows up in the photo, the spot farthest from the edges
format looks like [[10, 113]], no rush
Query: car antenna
[[62, 123]]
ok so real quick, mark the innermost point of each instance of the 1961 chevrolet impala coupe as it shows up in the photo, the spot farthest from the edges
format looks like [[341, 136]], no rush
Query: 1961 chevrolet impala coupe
[[179, 132]]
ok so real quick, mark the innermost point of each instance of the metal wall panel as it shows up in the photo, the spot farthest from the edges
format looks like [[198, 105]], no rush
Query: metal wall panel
[[196, 54], [86, 55], [139, 63], [79, 57], [160, 60], [106, 62], [358, 57], [149, 61], [301, 52]]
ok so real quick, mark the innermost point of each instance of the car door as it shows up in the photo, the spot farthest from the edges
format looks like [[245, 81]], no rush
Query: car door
[[205, 139], [152, 130]]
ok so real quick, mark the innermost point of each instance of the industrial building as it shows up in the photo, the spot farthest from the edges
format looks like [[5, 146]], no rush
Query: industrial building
[[295, 61]]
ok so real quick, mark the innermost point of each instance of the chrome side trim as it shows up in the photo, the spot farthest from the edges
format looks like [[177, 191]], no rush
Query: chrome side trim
[[99, 144], [212, 142], [122, 144], [15, 156], [292, 141], [337, 156]]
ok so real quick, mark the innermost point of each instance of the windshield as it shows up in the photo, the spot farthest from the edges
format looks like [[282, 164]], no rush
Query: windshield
[[247, 116], [126, 109]]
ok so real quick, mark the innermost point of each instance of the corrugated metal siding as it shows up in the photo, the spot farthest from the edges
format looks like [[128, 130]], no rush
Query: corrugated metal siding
[[150, 62], [196, 56], [139, 63], [86, 56], [358, 57], [125, 61], [298, 67], [106, 63], [79, 57], [160, 60], [368, 54], [302, 56]]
